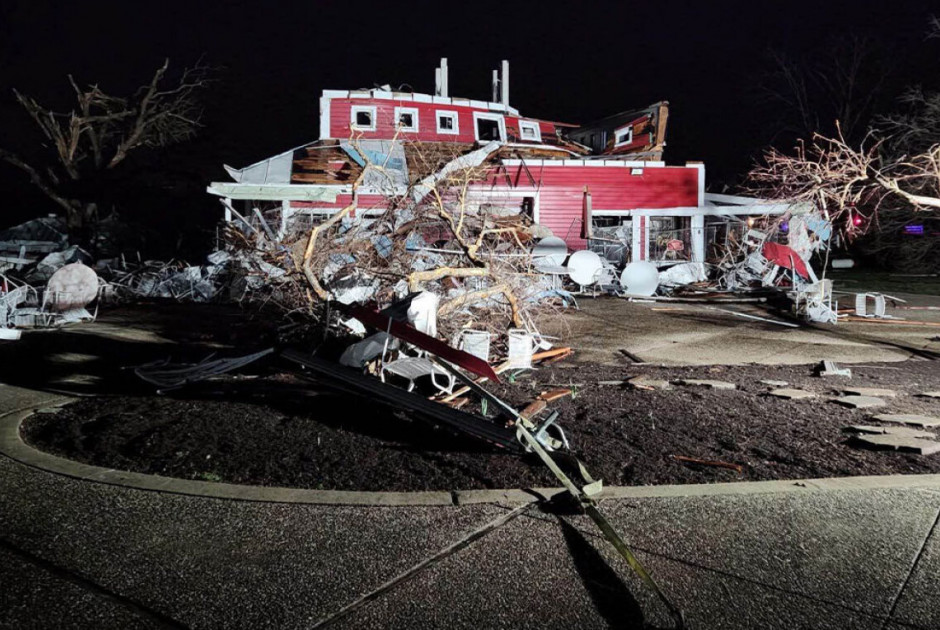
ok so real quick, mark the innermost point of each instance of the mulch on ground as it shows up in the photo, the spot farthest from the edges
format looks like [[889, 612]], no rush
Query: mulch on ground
[[277, 430]]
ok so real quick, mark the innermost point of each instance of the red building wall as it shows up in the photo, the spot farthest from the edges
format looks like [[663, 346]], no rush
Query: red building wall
[[340, 109], [612, 188]]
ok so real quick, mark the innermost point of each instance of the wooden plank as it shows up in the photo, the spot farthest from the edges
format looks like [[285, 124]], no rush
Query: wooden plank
[[533, 409], [895, 322], [554, 394], [457, 403]]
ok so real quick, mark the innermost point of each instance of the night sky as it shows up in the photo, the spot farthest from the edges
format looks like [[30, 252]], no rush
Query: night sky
[[568, 61]]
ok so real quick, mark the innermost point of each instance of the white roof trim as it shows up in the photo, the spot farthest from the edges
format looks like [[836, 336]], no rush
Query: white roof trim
[[610, 163], [419, 98], [691, 211], [734, 200], [298, 192]]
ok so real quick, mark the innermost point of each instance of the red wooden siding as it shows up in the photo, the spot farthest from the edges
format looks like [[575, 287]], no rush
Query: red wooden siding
[[340, 109], [612, 188]]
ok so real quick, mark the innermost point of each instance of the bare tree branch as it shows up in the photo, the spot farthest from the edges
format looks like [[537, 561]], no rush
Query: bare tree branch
[[102, 130], [36, 178]]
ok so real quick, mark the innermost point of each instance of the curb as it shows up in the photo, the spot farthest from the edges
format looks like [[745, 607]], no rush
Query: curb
[[12, 446]]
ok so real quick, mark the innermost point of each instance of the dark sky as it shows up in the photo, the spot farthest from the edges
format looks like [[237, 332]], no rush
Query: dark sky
[[569, 61]]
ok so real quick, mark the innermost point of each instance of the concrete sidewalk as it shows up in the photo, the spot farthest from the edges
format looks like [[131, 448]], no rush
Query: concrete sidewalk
[[698, 334], [79, 554]]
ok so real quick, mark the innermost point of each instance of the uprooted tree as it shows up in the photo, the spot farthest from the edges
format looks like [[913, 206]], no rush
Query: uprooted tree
[[864, 190], [872, 188], [83, 148]]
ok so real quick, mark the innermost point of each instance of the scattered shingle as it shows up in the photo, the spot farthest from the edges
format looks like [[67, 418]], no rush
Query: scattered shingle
[[774, 383], [860, 402], [644, 382], [909, 418], [870, 391], [903, 431], [706, 383], [900, 443], [792, 394]]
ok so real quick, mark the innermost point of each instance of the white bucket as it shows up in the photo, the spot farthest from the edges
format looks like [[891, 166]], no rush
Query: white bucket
[[521, 347], [475, 342]]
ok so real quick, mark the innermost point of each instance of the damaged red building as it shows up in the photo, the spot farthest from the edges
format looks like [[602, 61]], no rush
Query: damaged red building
[[605, 180]]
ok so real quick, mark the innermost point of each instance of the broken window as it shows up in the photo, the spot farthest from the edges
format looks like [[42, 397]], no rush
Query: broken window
[[670, 238], [447, 122], [612, 238], [528, 207], [363, 118], [489, 127], [487, 130], [530, 131], [624, 135], [406, 118]]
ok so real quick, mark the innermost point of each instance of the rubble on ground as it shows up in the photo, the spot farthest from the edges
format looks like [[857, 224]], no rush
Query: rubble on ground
[[470, 260]]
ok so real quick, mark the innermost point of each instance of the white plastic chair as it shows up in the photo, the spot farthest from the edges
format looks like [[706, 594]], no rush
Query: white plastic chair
[[413, 368]]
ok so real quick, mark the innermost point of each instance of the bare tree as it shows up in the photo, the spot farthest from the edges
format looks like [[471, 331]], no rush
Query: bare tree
[[844, 81], [839, 178], [82, 146], [874, 182], [914, 129]]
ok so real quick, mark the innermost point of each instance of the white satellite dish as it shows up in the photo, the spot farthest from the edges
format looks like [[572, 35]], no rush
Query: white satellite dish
[[72, 286], [584, 267], [550, 252], [640, 278]]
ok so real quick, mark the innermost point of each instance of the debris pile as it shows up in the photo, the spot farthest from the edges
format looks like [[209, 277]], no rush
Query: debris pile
[[26, 244], [756, 258], [468, 257], [62, 301]]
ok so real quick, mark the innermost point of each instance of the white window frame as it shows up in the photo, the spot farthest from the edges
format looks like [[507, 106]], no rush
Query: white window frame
[[532, 126], [499, 118], [617, 132], [450, 114], [355, 110], [414, 118]]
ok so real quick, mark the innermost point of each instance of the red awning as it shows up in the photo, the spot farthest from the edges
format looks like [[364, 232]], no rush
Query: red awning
[[785, 257]]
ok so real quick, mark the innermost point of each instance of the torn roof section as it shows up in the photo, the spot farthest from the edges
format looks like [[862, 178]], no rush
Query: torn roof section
[[446, 127], [637, 134], [331, 162], [273, 170]]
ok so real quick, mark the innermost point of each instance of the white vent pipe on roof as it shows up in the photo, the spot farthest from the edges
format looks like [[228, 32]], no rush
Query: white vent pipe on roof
[[445, 87]]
